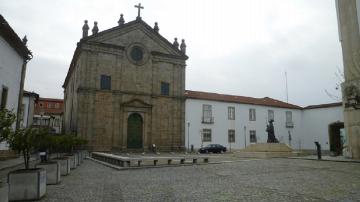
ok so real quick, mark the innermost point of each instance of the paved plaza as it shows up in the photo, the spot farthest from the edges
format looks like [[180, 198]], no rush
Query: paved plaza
[[247, 180]]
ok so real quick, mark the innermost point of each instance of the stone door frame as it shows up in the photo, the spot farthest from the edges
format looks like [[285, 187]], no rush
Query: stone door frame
[[144, 110]]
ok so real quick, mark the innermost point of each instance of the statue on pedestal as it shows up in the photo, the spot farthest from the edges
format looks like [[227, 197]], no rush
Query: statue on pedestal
[[271, 133]]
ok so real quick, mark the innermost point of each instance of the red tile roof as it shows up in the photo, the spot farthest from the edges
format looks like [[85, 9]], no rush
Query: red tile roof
[[266, 101], [51, 99]]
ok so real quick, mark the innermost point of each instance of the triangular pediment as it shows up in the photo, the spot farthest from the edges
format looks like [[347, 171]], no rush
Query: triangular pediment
[[136, 103], [135, 32]]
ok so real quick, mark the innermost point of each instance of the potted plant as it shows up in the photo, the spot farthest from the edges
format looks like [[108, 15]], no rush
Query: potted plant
[[28, 183], [78, 144], [6, 121], [45, 143], [68, 141], [58, 142]]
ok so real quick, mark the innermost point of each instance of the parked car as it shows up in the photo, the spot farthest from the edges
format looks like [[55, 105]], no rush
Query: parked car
[[214, 148]]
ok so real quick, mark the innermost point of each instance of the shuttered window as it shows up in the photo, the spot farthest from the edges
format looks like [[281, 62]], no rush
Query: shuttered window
[[165, 88], [4, 94], [105, 82]]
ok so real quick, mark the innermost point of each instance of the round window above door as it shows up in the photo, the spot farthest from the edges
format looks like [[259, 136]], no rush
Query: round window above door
[[137, 54]]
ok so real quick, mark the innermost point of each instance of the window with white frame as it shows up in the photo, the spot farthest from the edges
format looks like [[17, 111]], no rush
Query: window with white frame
[[289, 122], [206, 135], [231, 135], [207, 114], [231, 113], [288, 116], [252, 136], [271, 115], [252, 115]]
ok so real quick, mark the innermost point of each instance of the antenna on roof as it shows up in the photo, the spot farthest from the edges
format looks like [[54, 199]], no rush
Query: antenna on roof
[[286, 88]]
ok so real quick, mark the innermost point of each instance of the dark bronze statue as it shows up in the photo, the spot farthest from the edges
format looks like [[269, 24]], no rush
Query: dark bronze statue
[[271, 133]]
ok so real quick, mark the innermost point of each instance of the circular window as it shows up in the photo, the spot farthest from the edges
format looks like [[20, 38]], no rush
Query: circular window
[[137, 53]]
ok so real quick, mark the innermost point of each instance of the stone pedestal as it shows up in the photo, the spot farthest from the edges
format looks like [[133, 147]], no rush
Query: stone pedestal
[[64, 165], [78, 156], [27, 185], [351, 119], [73, 162], [267, 150], [52, 171], [268, 147], [4, 191]]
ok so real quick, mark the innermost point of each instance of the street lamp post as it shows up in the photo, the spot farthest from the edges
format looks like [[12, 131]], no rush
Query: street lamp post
[[245, 134], [188, 140]]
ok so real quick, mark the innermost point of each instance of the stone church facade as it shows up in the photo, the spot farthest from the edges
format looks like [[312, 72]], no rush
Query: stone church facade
[[125, 89]]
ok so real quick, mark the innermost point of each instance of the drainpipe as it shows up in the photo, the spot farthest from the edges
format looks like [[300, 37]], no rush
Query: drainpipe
[[21, 90], [28, 113]]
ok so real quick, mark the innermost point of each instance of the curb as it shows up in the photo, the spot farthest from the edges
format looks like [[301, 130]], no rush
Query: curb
[[341, 161]]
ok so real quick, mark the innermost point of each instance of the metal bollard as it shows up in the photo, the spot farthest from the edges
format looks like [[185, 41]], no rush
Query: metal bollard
[[318, 149]]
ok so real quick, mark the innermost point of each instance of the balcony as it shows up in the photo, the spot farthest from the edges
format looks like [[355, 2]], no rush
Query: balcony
[[207, 120], [289, 124]]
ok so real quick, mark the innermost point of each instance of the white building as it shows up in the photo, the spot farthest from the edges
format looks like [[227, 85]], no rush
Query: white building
[[27, 108], [13, 58], [237, 121]]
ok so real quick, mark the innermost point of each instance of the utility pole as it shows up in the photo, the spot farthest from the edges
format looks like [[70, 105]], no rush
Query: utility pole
[[188, 140]]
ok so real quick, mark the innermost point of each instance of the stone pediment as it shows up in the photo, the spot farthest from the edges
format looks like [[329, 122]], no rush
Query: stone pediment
[[136, 103], [135, 32]]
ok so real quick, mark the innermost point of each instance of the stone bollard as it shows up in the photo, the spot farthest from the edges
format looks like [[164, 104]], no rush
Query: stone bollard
[[318, 149]]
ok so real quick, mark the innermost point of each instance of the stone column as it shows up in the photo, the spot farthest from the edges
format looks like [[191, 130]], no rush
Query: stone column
[[350, 41]]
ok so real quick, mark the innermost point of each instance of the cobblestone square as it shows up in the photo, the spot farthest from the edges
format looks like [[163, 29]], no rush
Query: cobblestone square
[[248, 180]]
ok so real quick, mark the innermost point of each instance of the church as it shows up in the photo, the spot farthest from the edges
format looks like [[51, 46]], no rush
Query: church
[[124, 90]]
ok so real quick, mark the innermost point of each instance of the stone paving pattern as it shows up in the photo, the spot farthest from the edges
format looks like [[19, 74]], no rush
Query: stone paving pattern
[[258, 180]]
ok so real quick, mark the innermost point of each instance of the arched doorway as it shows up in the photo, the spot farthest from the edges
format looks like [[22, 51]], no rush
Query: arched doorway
[[135, 131], [336, 137]]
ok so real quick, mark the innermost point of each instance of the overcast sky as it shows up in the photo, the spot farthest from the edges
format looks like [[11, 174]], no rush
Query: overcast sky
[[234, 47]]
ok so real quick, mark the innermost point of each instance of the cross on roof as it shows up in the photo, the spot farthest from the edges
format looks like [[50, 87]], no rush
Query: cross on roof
[[139, 7]]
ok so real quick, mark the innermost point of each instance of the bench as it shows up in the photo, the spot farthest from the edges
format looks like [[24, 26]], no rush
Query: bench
[[126, 161], [195, 159]]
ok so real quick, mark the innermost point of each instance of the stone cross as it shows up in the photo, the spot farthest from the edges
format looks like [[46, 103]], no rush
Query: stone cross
[[139, 7]]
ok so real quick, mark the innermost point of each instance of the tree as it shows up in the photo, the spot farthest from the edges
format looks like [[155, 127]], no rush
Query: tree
[[66, 143], [23, 140], [7, 118]]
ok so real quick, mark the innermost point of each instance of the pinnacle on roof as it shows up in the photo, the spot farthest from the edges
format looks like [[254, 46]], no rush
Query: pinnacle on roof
[[121, 20], [95, 29], [85, 29], [156, 27]]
